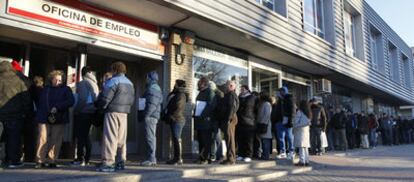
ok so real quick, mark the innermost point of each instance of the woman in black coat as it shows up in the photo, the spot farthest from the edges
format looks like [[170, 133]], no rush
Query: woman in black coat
[[175, 117]]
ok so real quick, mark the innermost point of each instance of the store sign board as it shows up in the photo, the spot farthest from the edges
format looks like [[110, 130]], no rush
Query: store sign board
[[96, 26]]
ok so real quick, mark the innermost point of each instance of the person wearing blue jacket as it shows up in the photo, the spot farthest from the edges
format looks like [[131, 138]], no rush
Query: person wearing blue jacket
[[153, 100], [116, 99], [52, 115]]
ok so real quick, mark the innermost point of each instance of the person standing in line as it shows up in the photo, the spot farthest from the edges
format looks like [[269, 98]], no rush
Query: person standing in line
[[116, 100], [264, 119], [318, 124], [153, 100], [245, 129], [301, 132], [339, 124], [15, 106], [228, 121], [372, 127], [175, 116], [286, 112], [351, 126], [363, 130], [87, 91], [203, 120], [52, 116], [216, 136]]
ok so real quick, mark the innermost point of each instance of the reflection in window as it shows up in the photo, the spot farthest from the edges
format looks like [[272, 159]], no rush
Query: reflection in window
[[218, 72], [314, 17]]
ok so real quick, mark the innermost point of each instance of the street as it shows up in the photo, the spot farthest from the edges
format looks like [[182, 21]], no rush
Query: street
[[384, 163]]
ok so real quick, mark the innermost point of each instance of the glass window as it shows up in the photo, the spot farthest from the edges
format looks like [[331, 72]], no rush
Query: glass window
[[218, 72], [314, 17], [278, 6], [374, 54], [394, 63], [350, 41], [264, 80]]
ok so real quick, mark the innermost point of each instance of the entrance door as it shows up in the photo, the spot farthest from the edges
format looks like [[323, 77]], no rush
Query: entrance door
[[100, 61], [265, 80]]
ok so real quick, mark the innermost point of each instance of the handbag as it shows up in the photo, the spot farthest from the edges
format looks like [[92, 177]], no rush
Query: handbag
[[51, 117], [261, 128]]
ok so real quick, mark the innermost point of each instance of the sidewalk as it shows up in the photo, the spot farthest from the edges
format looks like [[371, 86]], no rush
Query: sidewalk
[[246, 172]]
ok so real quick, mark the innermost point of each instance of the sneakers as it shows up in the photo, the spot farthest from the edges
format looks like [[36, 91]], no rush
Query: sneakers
[[76, 163], [106, 168], [148, 163], [239, 158], [40, 165], [175, 162], [281, 156], [15, 165], [120, 165], [291, 156], [247, 159]]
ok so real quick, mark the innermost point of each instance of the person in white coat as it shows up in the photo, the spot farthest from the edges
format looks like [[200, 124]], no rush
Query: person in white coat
[[301, 132], [264, 124]]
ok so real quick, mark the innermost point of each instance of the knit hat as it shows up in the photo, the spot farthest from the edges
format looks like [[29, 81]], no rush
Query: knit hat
[[284, 89], [180, 83], [16, 66], [153, 76]]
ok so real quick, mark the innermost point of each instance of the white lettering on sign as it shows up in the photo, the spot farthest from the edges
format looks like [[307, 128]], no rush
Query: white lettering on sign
[[84, 22]]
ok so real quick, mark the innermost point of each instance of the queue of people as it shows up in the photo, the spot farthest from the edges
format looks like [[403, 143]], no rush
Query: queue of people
[[247, 122]]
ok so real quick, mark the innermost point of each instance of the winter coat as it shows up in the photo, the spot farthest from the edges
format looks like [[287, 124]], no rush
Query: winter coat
[[339, 121], [372, 122], [117, 95], [60, 97], [246, 114], [301, 130], [218, 95], [15, 102], [204, 121], [363, 125], [263, 116], [87, 91], [319, 118], [351, 123], [176, 105], [153, 100], [229, 106], [284, 107]]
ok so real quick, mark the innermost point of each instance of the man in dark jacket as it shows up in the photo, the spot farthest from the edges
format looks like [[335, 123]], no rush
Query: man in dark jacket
[[175, 117], [283, 116], [117, 99], [228, 121], [339, 124], [318, 124], [203, 120], [152, 111], [15, 105], [351, 126], [216, 134], [245, 130]]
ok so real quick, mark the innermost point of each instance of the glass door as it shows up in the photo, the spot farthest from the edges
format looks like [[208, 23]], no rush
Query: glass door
[[264, 80]]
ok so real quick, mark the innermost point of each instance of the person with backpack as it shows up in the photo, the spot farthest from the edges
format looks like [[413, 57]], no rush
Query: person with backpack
[[318, 124], [339, 124]]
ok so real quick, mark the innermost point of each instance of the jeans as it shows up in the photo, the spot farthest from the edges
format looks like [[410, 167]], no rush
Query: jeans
[[315, 139], [150, 126], [29, 140], [373, 137], [177, 129], [388, 136], [332, 142], [350, 136], [245, 139], [283, 132], [216, 148], [82, 126], [266, 148], [13, 133], [364, 141]]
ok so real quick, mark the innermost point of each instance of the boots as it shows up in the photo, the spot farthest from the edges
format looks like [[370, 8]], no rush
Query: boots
[[177, 160]]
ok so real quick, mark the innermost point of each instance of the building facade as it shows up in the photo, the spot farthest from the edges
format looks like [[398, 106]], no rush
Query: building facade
[[339, 51]]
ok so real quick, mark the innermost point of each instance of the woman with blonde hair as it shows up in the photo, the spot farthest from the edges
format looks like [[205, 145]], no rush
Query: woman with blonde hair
[[52, 115]]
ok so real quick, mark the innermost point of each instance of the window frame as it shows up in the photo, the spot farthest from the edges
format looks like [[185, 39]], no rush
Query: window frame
[[373, 50], [283, 15], [320, 32], [350, 25]]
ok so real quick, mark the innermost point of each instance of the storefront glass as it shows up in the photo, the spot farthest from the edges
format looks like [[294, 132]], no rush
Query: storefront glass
[[264, 80]]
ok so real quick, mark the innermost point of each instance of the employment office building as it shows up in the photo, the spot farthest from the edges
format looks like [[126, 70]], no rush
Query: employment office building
[[340, 51]]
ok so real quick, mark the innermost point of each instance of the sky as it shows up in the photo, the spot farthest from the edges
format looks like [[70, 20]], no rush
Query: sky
[[399, 15]]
